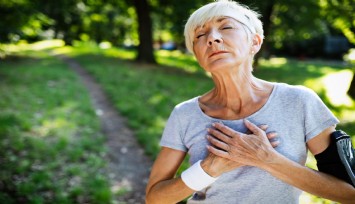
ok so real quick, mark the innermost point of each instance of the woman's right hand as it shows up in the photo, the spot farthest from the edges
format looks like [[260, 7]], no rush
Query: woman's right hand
[[215, 165]]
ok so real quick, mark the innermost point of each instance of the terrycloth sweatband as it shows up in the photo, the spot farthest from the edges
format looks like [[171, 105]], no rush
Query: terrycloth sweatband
[[196, 178]]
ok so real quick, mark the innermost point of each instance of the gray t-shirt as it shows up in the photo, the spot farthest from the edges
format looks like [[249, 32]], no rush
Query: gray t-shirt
[[296, 113]]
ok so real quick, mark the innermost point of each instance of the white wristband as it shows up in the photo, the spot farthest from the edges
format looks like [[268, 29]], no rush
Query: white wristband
[[196, 178]]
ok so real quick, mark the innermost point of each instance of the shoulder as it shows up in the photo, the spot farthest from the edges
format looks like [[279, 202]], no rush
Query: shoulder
[[186, 106], [293, 92]]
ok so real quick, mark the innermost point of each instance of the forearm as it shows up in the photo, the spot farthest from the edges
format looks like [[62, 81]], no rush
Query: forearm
[[311, 181], [169, 191]]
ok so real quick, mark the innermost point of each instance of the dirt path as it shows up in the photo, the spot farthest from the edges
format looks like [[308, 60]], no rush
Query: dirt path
[[128, 166]]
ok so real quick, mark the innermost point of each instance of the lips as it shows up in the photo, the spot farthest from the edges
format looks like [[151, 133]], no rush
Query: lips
[[217, 53]]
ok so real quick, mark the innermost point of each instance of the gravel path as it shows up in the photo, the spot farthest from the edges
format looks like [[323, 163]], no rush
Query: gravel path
[[128, 166]]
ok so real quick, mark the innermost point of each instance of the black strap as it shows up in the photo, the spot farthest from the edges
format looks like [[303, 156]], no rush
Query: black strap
[[329, 161]]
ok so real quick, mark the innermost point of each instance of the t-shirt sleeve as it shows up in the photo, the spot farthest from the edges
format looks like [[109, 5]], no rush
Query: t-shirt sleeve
[[172, 135], [317, 115]]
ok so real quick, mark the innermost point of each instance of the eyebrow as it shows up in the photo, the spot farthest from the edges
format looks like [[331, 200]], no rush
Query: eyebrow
[[218, 20]]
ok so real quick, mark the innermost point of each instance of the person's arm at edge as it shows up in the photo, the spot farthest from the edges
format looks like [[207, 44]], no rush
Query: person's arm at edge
[[162, 186], [310, 180]]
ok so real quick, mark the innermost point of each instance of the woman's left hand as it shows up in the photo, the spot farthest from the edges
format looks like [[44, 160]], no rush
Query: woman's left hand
[[252, 149]]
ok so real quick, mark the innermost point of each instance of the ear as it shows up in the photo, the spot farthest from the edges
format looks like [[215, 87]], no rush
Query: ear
[[257, 41]]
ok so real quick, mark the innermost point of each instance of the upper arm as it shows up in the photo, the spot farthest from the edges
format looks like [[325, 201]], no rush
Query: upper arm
[[320, 142], [165, 166]]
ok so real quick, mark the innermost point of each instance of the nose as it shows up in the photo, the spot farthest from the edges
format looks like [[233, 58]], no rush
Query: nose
[[214, 37]]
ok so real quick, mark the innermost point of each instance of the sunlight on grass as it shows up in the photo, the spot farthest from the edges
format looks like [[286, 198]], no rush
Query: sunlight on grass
[[59, 121], [120, 53], [336, 86], [41, 45], [50, 126], [178, 59], [274, 62], [63, 50]]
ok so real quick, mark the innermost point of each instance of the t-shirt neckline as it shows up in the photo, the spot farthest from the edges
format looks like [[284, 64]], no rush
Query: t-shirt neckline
[[264, 107]]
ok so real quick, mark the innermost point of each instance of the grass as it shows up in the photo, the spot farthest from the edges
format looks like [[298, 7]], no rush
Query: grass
[[51, 150], [145, 94]]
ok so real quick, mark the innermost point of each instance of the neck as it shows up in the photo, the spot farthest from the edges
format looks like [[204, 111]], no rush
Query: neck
[[236, 91], [232, 88]]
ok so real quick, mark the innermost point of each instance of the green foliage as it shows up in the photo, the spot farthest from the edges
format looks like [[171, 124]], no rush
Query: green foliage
[[69, 20], [51, 150], [341, 14], [13, 17], [291, 27]]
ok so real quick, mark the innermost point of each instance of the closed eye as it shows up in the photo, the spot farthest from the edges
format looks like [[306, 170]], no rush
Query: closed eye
[[227, 27], [200, 35]]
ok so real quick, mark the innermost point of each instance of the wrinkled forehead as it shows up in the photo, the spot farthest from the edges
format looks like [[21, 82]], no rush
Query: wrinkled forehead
[[218, 19], [220, 14]]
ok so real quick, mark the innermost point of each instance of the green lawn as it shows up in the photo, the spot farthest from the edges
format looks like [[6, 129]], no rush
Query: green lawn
[[51, 150], [145, 94]]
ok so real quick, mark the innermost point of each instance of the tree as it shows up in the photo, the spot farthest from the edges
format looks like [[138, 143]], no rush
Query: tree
[[145, 47], [341, 14], [14, 15]]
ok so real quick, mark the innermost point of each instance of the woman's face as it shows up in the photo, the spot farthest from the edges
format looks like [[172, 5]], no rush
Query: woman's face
[[221, 42]]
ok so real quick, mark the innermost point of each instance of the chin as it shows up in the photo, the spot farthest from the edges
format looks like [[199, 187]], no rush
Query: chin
[[221, 64]]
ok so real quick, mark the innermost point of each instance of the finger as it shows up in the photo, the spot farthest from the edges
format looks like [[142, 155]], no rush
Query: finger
[[219, 135], [275, 143], [217, 143], [263, 127], [271, 135], [218, 152], [253, 128], [226, 130]]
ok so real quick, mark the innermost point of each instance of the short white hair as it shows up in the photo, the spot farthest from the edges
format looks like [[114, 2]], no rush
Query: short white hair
[[222, 8]]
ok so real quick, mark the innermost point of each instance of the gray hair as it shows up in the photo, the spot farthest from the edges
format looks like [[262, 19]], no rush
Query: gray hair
[[219, 8]]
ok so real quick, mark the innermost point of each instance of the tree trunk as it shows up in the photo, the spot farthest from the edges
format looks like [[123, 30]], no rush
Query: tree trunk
[[266, 19], [351, 90], [145, 48]]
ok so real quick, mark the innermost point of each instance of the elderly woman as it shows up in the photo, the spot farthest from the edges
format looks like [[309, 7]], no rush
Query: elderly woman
[[230, 131]]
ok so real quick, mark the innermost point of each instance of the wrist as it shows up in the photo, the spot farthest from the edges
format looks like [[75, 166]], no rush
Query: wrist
[[209, 169], [196, 178], [274, 164]]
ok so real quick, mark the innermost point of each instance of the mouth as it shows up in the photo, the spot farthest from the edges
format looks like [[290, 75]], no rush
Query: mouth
[[217, 53]]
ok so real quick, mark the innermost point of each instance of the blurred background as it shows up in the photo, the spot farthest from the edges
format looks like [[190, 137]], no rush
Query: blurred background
[[51, 146]]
